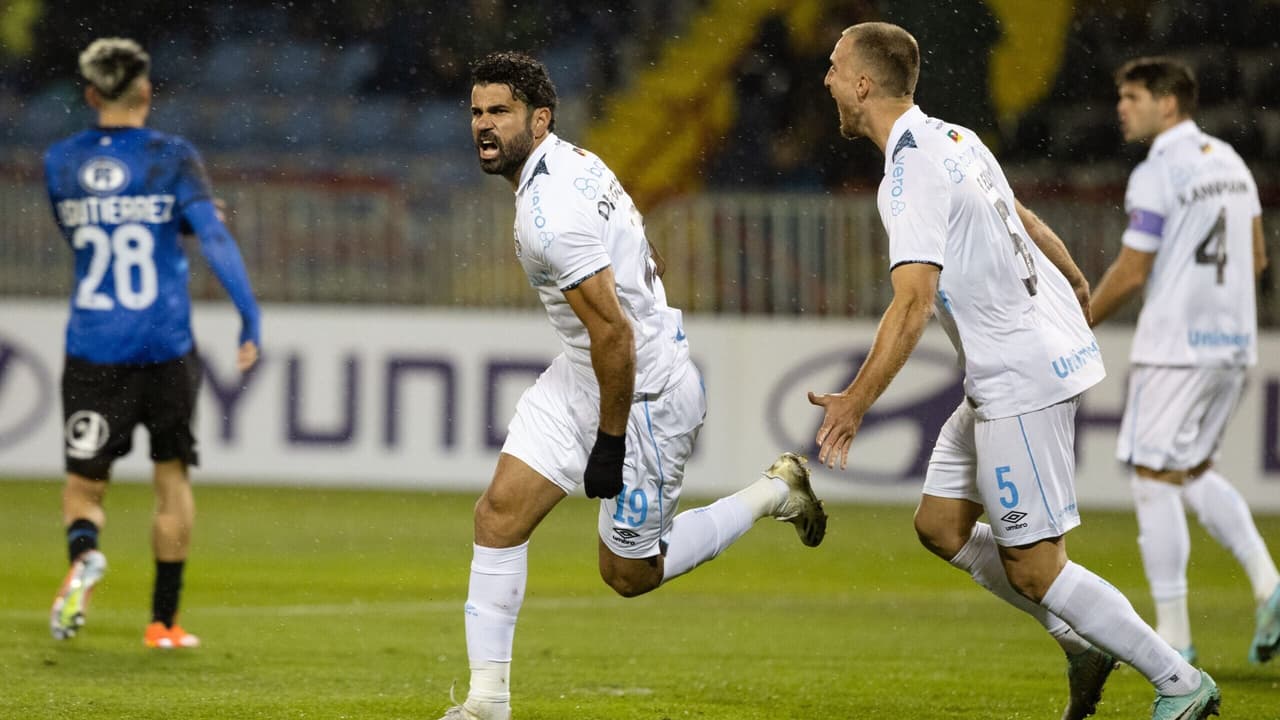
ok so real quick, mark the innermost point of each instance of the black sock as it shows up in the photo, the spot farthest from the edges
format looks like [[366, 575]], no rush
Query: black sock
[[82, 535], [164, 599]]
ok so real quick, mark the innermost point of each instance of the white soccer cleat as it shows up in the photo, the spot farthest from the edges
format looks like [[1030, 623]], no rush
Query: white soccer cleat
[[801, 508], [69, 605], [462, 712]]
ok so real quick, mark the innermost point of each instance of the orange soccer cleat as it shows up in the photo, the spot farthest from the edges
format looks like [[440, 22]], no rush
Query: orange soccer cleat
[[168, 638]]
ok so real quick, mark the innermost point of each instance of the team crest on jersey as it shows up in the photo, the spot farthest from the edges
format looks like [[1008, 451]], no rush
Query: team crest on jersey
[[104, 176], [955, 136]]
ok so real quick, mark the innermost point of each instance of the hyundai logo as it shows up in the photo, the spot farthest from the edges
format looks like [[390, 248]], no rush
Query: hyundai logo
[[26, 393], [907, 417]]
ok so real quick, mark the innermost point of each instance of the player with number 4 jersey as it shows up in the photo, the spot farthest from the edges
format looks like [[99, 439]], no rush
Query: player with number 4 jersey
[[122, 195], [1194, 246]]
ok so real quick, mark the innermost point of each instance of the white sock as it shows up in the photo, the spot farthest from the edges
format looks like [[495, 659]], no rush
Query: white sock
[[981, 559], [1165, 545], [1105, 618], [701, 534], [1225, 514], [498, 577]]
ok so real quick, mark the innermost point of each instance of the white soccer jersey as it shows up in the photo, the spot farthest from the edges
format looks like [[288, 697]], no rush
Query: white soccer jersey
[[1192, 202], [1011, 315], [573, 219]]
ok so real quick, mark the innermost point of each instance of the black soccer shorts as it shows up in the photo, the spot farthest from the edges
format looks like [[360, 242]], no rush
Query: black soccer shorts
[[102, 404]]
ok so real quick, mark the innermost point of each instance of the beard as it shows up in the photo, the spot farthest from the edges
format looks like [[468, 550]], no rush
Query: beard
[[511, 156], [848, 124]]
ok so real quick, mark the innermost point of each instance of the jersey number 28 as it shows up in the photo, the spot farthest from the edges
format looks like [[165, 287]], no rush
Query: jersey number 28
[[132, 246]]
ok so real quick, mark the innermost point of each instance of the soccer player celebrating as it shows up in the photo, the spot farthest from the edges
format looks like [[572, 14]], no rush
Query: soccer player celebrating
[[121, 195], [1015, 306], [1195, 245], [617, 412]]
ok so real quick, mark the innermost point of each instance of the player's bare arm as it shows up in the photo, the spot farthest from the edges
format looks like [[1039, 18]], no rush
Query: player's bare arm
[[613, 358], [1053, 248], [613, 347], [1259, 248], [914, 287], [1126, 276]]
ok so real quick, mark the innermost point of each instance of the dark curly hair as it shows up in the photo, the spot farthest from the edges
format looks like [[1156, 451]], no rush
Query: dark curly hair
[[527, 78]]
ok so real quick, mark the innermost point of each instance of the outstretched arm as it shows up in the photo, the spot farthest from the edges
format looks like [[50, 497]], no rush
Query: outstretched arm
[[914, 288], [1052, 246]]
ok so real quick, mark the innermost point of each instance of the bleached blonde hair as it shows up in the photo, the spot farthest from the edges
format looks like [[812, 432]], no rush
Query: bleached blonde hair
[[111, 65]]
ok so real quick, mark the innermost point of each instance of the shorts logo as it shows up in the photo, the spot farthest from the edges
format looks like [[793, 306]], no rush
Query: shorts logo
[[104, 176], [625, 536], [87, 432], [1013, 517], [955, 136]]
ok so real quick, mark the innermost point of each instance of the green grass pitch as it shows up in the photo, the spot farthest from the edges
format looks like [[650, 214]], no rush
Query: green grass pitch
[[348, 604]]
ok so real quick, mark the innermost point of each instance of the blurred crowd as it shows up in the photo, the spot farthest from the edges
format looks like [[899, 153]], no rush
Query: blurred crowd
[[389, 77]]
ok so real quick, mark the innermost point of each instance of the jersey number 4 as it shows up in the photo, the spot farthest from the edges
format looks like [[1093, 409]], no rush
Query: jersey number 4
[[1213, 249], [134, 269]]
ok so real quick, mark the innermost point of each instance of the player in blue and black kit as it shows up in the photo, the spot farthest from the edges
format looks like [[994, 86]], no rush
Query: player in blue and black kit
[[122, 195]]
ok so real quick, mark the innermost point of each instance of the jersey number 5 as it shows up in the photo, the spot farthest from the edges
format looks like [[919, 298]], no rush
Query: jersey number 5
[[1213, 249], [133, 247]]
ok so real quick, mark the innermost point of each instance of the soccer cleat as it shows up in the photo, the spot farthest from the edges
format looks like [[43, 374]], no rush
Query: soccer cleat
[[462, 712], [801, 508], [1195, 705], [168, 638], [1190, 654], [1266, 638], [67, 615], [1087, 672]]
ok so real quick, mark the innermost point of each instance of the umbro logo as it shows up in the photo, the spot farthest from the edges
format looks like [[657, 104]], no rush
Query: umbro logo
[[625, 536], [1014, 520]]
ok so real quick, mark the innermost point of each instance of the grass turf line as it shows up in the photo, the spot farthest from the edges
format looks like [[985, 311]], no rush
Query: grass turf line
[[317, 603]]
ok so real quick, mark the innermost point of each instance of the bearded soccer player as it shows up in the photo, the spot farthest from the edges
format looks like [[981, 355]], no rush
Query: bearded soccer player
[[1195, 248], [618, 411], [1015, 306], [121, 195]]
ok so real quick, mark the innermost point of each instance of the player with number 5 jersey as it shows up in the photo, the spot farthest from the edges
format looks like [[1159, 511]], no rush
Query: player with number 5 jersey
[[122, 195], [1016, 307]]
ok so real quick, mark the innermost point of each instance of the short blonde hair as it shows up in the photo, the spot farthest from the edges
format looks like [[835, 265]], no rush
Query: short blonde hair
[[892, 53], [111, 65]]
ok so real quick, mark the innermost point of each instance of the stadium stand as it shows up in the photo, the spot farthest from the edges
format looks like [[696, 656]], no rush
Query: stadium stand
[[694, 96]]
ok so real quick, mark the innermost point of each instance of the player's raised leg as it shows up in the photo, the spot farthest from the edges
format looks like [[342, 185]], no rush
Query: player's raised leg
[[84, 517], [513, 505]]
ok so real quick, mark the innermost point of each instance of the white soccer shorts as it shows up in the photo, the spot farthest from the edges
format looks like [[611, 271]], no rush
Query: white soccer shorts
[[1021, 469], [1174, 417], [555, 426]]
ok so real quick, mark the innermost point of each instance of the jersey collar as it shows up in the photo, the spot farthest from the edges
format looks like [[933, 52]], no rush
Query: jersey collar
[[1184, 129], [911, 117], [536, 161]]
